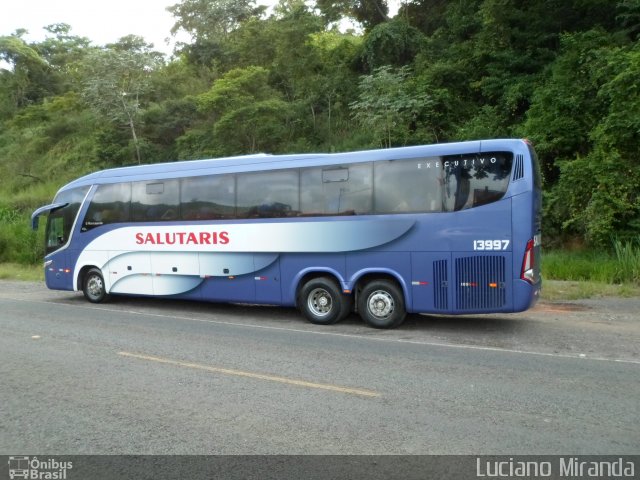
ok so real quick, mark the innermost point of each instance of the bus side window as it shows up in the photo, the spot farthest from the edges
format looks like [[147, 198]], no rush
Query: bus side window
[[407, 186], [110, 204], [208, 198], [475, 180], [271, 194], [336, 190], [155, 201]]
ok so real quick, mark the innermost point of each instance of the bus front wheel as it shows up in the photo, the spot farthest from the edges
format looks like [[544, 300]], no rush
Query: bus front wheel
[[381, 304], [322, 302], [93, 286]]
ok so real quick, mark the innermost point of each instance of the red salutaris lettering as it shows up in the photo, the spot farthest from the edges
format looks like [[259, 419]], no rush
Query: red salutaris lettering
[[182, 238]]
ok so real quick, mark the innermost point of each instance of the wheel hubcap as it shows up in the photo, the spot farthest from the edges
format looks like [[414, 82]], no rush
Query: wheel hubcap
[[319, 302], [381, 304], [94, 286]]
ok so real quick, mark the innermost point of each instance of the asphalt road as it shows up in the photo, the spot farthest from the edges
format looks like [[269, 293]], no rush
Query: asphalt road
[[147, 376]]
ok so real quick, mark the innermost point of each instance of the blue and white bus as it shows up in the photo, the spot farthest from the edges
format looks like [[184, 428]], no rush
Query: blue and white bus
[[443, 229]]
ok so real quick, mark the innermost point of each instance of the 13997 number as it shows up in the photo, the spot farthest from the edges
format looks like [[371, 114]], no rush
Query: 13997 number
[[490, 244]]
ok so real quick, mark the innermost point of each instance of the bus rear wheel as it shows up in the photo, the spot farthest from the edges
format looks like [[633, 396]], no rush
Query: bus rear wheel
[[93, 286], [322, 302], [381, 304]]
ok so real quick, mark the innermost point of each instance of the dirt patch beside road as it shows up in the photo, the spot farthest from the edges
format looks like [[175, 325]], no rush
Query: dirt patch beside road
[[607, 328]]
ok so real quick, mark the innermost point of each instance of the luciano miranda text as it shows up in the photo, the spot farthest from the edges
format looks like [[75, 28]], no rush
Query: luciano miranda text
[[567, 467]]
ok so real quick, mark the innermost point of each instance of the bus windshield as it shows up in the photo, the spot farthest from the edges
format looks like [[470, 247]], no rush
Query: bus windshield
[[60, 221]]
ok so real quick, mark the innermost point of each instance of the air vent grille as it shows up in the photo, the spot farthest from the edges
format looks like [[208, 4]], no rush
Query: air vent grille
[[518, 167], [480, 282], [441, 285]]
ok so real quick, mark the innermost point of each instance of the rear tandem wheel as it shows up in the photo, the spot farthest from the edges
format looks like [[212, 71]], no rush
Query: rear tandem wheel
[[322, 302]]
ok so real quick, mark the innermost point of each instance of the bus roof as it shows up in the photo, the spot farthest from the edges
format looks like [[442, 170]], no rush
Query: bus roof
[[259, 162]]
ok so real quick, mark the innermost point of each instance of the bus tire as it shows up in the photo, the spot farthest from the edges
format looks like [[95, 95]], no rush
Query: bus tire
[[322, 302], [381, 304], [93, 286]]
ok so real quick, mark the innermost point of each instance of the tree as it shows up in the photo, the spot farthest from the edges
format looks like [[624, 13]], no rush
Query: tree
[[368, 12], [584, 121], [62, 50], [386, 106], [290, 44], [209, 23], [602, 188], [629, 17], [566, 106], [117, 81], [27, 81], [333, 87], [245, 114], [426, 15], [392, 43], [208, 19]]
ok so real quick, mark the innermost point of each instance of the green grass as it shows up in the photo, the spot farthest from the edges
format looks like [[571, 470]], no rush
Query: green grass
[[628, 257], [28, 273], [579, 266], [620, 266], [575, 274], [562, 290], [29, 198]]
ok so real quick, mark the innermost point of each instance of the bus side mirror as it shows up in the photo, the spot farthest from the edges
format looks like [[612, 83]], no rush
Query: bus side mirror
[[42, 210]]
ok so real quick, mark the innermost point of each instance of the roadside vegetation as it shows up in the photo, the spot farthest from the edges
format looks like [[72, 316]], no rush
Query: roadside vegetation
[[562, 74], [620, 265], [563, 290], [25, 273], [571, 274]]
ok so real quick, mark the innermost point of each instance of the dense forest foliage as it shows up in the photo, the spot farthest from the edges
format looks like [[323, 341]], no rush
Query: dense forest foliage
[[563, 73]]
